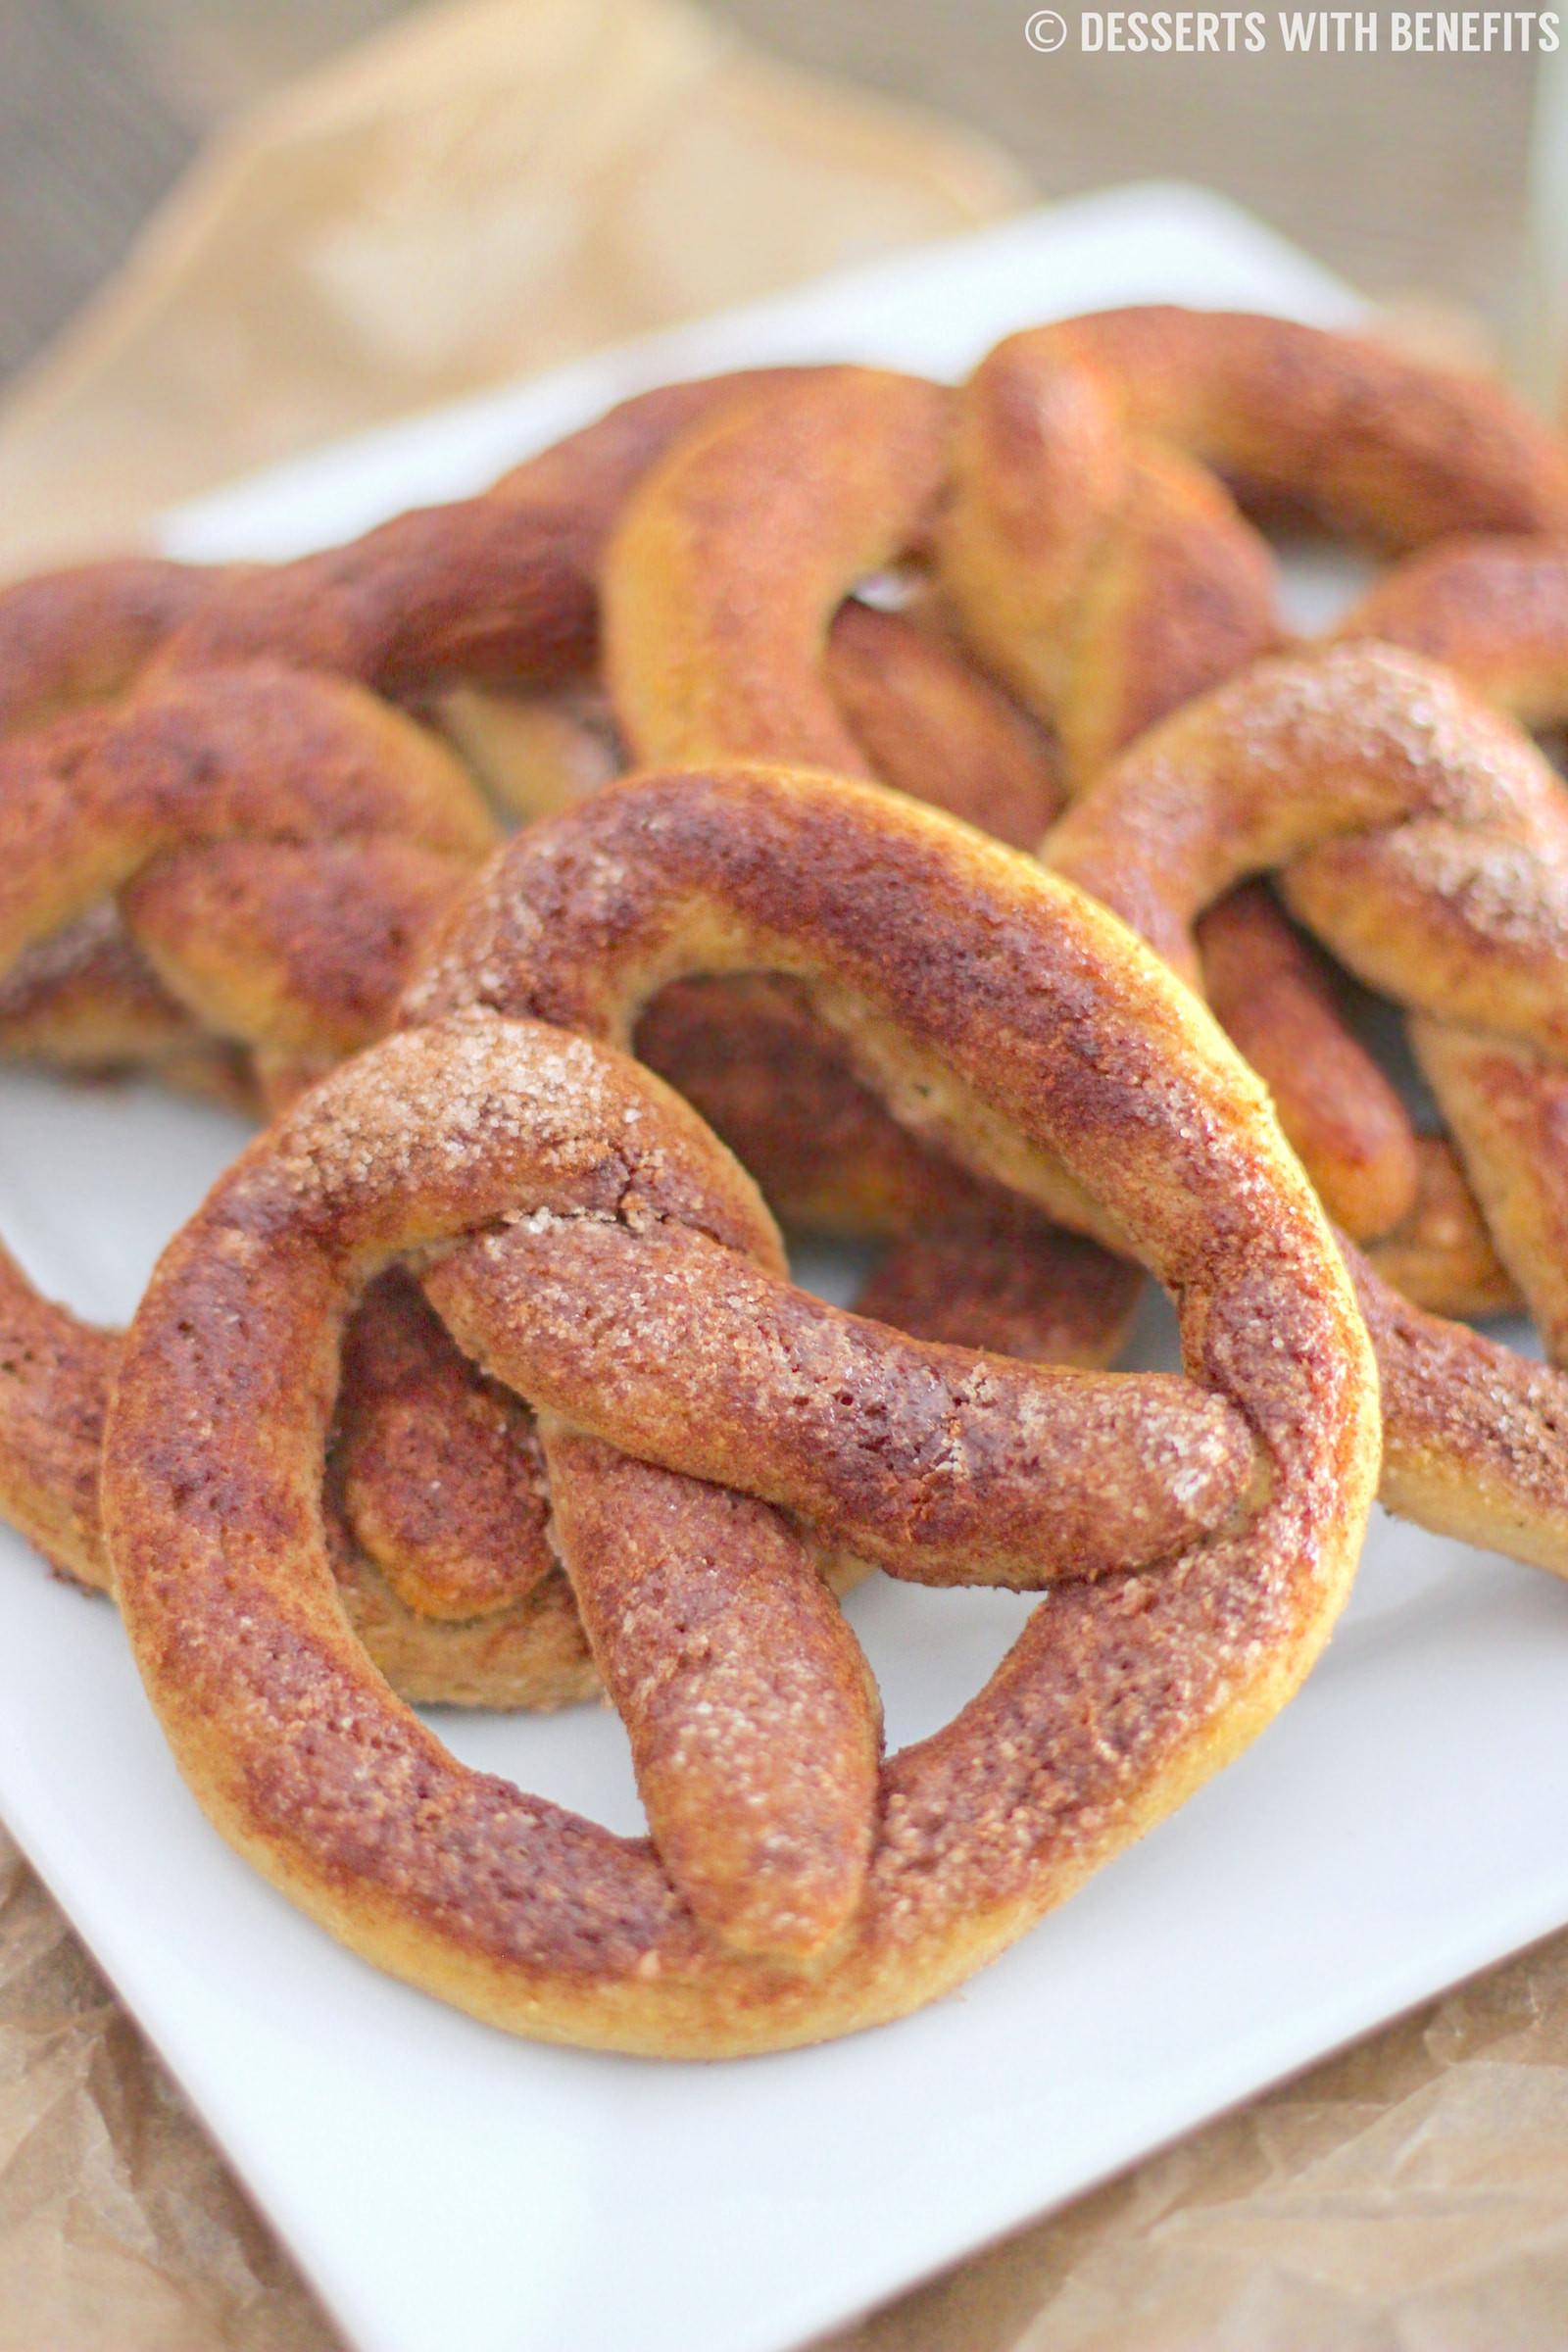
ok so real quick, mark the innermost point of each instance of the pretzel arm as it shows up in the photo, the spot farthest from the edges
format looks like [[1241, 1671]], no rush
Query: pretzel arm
[[1475, 1438], [440, 1472], [933, 725], [86, 804], [1389, 450], [55, 1374], [1507, 1106], [299, 949], [1291, 759], [942, 1467], [996, 1274], [1107, 580], [754, 1725], [83, 634], [1442, 1257]]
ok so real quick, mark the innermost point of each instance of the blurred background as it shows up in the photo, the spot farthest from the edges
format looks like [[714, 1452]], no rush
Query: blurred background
[[1408, 173]]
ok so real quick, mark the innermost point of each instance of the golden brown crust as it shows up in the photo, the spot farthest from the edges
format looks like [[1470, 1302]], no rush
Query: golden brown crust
[[721, 584], [502, 585], [188, 804], [1475, 1438], [1087, 551], [84, 635], [935, 726], [1506, 1106], [534, 752], [204, 745], [1385, 449], [496, 587], [777, 1086], [55, 1371], [754, 1721], [1105, 578], [440, 1471], [1425, 840], [924, 1458], [524, 1648], [708, 653], [958, 967]]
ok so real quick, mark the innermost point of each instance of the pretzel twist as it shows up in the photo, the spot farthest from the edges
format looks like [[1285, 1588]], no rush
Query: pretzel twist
[[793, 1888], [501, 586], [1425, 840]]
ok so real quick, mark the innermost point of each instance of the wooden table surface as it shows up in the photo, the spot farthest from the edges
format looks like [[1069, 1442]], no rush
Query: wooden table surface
[[1405, 173]]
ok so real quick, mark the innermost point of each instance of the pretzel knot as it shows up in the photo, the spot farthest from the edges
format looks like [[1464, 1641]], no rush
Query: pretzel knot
[[708, 1429], [1424, 839]]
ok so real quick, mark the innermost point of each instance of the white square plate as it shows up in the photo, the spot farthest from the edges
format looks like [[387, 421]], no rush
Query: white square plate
[[450, 2190]]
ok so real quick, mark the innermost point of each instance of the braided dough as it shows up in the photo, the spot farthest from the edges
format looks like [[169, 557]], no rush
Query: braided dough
[[793, 1890]]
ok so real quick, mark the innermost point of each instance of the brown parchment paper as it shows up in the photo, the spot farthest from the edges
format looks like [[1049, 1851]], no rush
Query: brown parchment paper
[[489, 188], [481, 191]]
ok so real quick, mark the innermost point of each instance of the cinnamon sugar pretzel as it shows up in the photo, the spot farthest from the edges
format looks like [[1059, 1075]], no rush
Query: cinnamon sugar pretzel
[[1064, 503], [581, 1227], [1424, 839], [134, 662]]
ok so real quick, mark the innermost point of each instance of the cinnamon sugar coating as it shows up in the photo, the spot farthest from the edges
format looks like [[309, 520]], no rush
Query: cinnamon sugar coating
[[995, 1004], [172, 671]]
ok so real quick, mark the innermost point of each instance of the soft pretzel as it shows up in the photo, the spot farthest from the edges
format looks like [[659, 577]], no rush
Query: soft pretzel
[[723, 577], [907, 701], [793, 1890], [1380, 447], [278, 842], [1062, 499], [1425, 840], [1066, 495], [1494, 610], [223, 851], [498, 587]]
